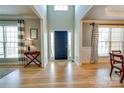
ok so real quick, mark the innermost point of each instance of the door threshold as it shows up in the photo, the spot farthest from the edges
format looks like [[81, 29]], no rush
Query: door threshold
[[60, 60]]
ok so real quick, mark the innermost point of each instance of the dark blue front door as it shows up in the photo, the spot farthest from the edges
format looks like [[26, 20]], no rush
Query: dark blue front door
[[60, 44]]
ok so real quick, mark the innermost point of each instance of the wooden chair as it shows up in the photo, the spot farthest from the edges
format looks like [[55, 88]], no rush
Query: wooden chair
[[117, 62], [116, 51]]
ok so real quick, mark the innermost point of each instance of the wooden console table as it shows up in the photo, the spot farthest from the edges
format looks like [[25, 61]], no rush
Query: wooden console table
[[32, 56]]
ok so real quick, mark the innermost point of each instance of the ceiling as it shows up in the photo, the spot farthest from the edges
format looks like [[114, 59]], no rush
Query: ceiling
[[102, 12], [16, 10], [106, 12]]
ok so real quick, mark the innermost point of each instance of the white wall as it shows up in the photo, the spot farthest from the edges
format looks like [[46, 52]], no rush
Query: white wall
[[41, 11], [61, 21], [80, 11], [86, 53]]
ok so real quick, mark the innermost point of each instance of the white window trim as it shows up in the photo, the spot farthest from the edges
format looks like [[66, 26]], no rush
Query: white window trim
[[60, 8], [110, 29], [4, 45]]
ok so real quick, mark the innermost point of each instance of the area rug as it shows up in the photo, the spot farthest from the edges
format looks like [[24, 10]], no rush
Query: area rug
[[5, 71]]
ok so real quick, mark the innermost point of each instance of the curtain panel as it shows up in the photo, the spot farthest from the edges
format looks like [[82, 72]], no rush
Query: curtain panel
[[94, 44], [21, 42]]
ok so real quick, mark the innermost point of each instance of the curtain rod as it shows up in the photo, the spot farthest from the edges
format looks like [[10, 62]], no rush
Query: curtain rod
[[110, 24], [8, 20], [104, 22]]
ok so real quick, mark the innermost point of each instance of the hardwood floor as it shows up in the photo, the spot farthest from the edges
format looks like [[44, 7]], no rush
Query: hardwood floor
[[62, 74]]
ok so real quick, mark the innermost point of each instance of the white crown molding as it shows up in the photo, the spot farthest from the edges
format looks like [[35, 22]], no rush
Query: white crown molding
[[17, 17], [34, 10], [121, 22]]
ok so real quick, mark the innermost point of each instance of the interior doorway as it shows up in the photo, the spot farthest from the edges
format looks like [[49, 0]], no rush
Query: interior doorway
[[60, 45]]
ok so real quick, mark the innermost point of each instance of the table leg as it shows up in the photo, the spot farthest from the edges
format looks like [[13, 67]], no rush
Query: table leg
[[33, 59]]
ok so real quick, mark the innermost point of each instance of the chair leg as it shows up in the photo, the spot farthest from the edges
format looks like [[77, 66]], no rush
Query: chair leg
[[111, 71], [122, 77], [121, 72]]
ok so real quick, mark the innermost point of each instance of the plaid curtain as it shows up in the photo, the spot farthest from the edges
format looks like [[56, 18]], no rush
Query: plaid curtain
[[21, 43], [94, 44]]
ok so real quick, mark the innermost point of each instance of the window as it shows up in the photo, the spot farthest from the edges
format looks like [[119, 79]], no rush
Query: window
[[60, 7], [8, 42], [52, 45], [110, 38], [69, 45]]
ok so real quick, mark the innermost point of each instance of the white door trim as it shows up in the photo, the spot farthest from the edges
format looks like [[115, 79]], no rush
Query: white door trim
[[50, 51]]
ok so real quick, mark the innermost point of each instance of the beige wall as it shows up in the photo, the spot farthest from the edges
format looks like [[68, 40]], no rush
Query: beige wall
[[33, 23], [87, 32], [86, 44]]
